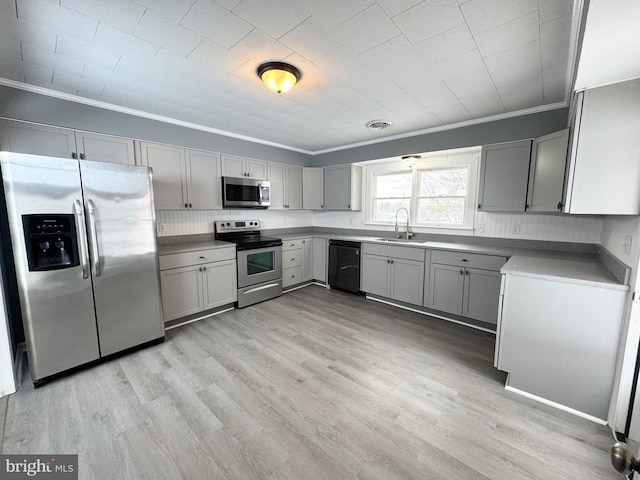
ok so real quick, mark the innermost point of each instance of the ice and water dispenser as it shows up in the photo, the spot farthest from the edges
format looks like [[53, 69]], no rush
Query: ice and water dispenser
[[51, 241]]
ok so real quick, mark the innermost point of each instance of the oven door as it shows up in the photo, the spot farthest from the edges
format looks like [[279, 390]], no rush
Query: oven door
[[259, 265]]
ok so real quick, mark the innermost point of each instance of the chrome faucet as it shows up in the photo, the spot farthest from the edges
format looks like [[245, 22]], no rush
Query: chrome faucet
[[408, 233]]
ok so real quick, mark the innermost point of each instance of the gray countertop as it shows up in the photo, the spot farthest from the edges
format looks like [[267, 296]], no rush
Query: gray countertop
[[171, 248], [582, 268]]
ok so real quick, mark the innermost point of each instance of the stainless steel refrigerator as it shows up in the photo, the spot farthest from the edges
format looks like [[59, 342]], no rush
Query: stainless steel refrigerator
[[85, 251]]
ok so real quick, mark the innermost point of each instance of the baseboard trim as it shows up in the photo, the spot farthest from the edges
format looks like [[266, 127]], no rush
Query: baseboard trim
[[191, 320], [559, 406]]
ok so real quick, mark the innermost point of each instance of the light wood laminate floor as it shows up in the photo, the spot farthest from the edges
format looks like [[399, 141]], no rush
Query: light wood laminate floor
[[316, 384]]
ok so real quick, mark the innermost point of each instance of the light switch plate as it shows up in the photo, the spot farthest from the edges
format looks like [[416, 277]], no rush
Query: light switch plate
[[515, 229], [480, 227], [162, 227]]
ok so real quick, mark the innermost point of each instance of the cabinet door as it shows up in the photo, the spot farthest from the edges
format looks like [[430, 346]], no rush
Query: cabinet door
[[307, 260], [293, 187], [181, 292], [312, 188], [407, 279], [605, 171], [320, 259], [34, 139], [481, 295], [204, 183], [105, 148], [256, 169], [220, 284], [276, 179], [375, 275], [169, 171], [446, 289], [232, 166], [504, 170], [337, 188], [546, 174]]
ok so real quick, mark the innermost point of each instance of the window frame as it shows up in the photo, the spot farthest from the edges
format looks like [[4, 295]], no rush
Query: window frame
[[469, 158]]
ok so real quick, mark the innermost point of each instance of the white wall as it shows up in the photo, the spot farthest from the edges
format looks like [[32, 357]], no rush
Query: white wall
[[614, 230]]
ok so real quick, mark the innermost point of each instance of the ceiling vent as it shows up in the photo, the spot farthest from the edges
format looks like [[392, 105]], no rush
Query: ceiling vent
[[378, 125]]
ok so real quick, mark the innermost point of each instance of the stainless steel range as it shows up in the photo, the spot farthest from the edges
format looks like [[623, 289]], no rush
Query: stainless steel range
[[259, 260]]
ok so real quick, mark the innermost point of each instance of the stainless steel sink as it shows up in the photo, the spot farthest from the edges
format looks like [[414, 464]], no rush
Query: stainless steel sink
[[399, 240]]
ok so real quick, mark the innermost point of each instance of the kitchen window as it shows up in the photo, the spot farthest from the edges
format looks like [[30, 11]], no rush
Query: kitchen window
[[439, 192]]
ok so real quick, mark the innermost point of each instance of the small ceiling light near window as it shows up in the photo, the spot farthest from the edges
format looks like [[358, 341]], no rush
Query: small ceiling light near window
[[378, 124], [411, 159], [278, 76]]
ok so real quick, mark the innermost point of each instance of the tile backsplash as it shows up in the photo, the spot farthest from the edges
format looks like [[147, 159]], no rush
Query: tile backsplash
[[530, 226]]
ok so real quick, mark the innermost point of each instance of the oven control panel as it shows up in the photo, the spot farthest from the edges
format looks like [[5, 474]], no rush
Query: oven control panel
[[237, 226]]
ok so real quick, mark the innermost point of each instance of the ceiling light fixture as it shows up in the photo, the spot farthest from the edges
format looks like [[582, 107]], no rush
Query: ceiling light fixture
[[377, 124], [411, 159], [278, 76]]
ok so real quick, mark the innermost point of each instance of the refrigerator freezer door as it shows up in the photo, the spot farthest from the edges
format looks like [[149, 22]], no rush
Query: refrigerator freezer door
[[57, 305], [121, 225]]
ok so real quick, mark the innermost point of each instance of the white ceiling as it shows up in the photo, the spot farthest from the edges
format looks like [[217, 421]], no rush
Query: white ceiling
[[417, 64]]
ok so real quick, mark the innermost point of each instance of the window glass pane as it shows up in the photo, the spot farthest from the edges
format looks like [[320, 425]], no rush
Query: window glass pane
[[384, 210], [260, 262], [397, 185], [441, 211], [435, 183]]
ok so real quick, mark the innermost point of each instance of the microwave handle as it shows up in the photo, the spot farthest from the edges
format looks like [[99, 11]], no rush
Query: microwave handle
[[259, 193]]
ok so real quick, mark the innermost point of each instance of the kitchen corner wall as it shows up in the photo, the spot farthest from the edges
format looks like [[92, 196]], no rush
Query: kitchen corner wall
[[190, 222]]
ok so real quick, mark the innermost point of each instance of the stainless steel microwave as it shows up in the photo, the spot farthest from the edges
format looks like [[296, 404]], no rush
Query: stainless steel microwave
[[245, 193]]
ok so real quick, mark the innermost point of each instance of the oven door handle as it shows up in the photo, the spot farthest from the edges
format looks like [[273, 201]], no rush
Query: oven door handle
[[259, 193], [261, 287]]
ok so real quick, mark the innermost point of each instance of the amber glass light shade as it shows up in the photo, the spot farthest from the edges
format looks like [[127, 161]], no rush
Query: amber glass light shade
[[277, 76]]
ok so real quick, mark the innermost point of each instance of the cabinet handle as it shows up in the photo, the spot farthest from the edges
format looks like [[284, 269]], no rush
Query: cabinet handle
[[186, 205], [74, 155], [190, 206], [204, 269], [321, 206], [526, 206], [560, 205], [293, 259], [348, 206], [461, 272], [200, 269], [479, 206], [465, 260], [466, 272], [202, 257], [82, 156]]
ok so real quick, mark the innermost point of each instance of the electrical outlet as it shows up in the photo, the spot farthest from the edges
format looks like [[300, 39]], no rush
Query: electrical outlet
[[515, 229], [626, 246], [162, 227], [480, 227]]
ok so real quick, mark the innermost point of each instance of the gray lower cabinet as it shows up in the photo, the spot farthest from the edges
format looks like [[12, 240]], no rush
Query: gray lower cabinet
[[193, 282], [307, 259], [320, 259], [393, 272], [465, 284], [297, 261]]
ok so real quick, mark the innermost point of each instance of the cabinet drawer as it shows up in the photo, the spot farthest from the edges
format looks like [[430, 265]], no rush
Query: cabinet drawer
[[194, 258], [292, 258], [291, 276], [462, 259], [291, 244], [407, 253]]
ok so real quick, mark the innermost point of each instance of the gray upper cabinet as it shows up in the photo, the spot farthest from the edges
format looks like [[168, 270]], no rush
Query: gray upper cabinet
[[312, 188], [603, 175], [504, 170], [35, 139], [183, 178], [286, 186], [343, 187], [546, 172], [243, 167]]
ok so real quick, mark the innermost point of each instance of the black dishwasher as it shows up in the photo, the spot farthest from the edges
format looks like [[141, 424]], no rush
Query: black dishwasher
[[344, 265]]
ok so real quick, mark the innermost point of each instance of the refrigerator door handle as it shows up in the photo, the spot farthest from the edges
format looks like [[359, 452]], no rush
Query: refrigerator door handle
[[93, 238], [82, 239]]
